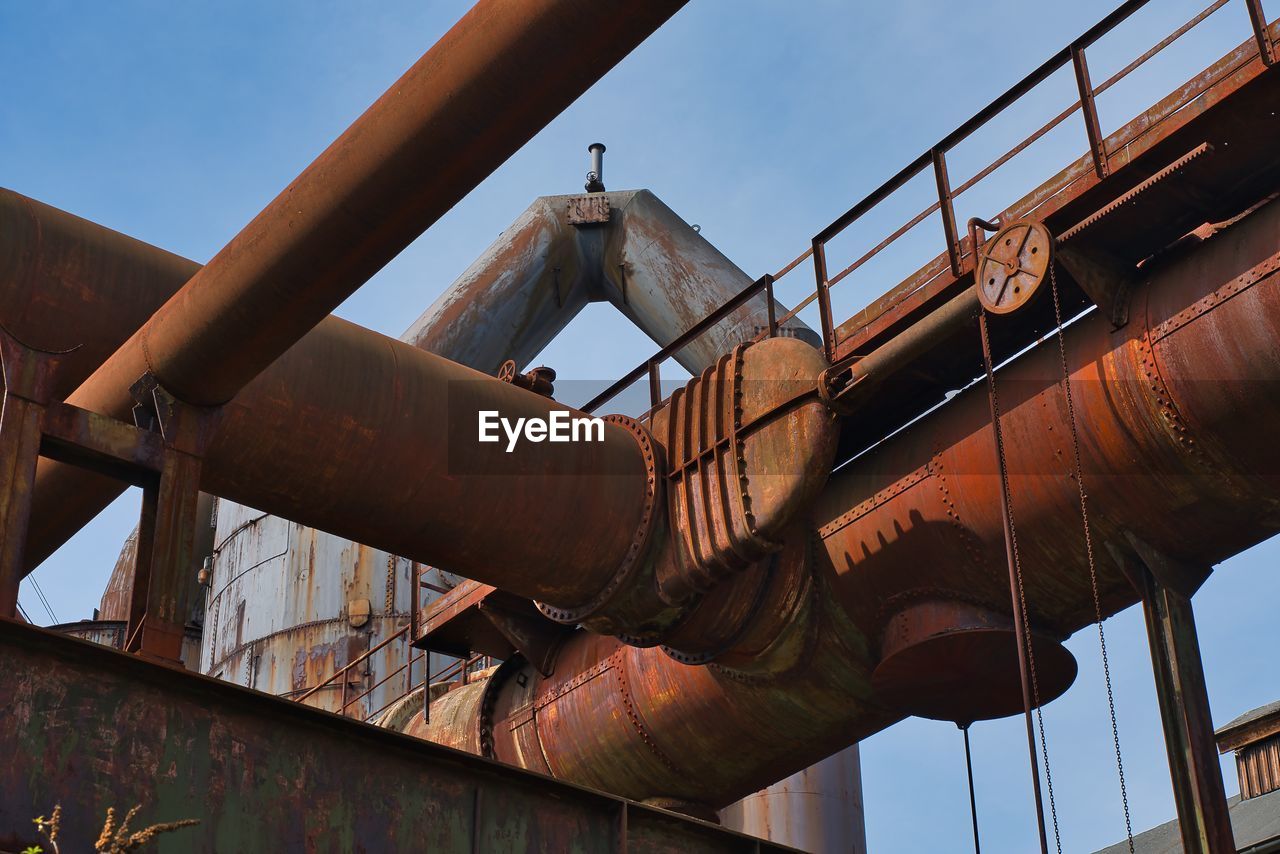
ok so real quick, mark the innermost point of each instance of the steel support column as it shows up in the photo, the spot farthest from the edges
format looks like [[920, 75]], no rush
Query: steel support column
[[1198, 792], [28, 375], [162, 454], [158, 603]]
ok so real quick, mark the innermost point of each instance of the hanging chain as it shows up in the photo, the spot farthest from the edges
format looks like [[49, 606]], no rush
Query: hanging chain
[[1017, 564], [1088, 545]]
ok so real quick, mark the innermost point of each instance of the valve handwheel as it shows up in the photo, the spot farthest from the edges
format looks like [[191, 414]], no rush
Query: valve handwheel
[[1012, 265], [508, 371]]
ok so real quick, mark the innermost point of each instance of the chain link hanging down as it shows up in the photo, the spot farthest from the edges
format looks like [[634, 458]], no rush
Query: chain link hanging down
[[1078, 474], [1026, 653]]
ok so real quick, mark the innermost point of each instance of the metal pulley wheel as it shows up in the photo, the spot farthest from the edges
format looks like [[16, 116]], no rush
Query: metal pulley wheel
[[1012, 266]]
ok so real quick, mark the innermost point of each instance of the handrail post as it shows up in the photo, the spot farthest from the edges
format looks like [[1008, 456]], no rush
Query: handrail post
[[773, 314], [939, 158], [1089, 109], [1258, 18], [824, 299]]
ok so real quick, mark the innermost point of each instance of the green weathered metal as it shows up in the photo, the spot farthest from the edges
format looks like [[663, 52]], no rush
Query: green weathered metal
[[89, 727]]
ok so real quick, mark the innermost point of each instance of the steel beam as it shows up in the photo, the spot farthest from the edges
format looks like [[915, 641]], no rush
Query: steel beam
[[1203, 817], [28, 377]]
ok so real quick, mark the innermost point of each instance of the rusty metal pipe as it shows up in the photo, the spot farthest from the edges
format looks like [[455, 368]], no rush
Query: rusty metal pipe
[[67, 282], [848, 386], [490, 83], [370, 438], [1175, 412], [672, 280]]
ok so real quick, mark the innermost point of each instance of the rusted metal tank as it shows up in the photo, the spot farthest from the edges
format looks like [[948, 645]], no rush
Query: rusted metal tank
[[818, 809]]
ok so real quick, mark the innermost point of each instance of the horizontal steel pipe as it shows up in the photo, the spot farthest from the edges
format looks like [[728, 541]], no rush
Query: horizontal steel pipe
[[1175, 412], [370, 438], [848, 387]]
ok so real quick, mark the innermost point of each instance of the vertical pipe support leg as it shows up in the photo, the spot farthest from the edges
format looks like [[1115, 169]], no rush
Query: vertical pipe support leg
[[28, 375], [159, 602], [1166, 587]]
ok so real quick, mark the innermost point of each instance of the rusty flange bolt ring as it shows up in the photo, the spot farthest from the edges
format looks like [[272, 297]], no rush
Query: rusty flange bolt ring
[[639, 547]]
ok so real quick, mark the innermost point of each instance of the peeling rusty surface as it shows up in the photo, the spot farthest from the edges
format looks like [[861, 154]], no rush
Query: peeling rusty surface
[[645, 260], [279, 610], [66, 282], [90, 728], [665, 277]]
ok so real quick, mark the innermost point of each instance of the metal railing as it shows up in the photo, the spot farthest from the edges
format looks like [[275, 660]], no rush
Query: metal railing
[[935, 157], [958, 261], [458, 669]]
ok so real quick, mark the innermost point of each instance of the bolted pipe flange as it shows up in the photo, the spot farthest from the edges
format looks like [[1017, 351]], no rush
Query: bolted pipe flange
[[634, 559]]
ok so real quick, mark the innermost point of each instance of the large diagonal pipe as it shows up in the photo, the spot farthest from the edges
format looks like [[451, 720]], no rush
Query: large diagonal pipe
[[490, 83]]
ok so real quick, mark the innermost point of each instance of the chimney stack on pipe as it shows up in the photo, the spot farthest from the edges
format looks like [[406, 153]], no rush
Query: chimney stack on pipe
[[595, 178]]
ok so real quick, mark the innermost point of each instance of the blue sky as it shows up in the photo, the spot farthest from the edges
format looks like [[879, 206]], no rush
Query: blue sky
[[760, 121]]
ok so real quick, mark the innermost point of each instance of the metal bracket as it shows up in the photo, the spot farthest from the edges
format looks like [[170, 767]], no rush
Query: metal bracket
[[1104, 280], [588, 210], [479, 618], [1182, 578]]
